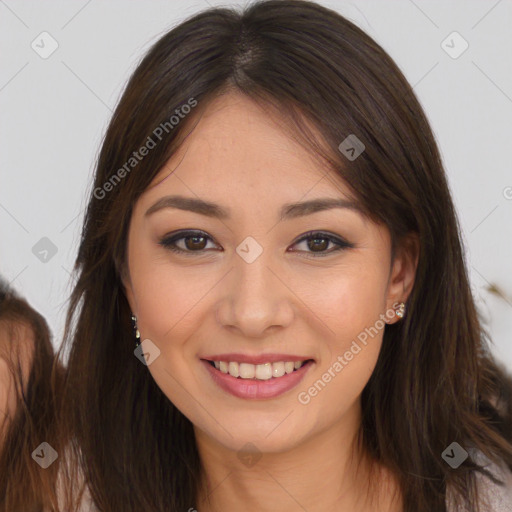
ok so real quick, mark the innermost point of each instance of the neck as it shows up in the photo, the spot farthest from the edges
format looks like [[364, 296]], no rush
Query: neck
[[332, 462]]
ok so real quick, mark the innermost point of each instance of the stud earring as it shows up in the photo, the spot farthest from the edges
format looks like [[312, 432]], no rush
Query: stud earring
[[136, 331], [401, 310]]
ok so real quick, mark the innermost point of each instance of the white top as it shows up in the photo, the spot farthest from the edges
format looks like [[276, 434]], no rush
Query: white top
[[493, 497]]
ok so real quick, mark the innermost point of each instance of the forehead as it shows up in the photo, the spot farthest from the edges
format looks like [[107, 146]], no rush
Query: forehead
[[236, 146]]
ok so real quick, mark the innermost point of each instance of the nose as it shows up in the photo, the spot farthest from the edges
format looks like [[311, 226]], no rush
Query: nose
[[257, 299]]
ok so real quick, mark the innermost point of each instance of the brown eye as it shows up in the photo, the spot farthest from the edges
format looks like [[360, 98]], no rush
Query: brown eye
[[318, 242], [193, 242]]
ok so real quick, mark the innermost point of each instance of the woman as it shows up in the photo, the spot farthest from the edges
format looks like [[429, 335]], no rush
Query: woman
[[271, 224], [29, 446]]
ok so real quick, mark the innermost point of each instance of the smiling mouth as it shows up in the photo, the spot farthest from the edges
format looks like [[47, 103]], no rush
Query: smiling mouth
[[265, 371]]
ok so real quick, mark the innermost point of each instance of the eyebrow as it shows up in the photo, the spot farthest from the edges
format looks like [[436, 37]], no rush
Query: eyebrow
[[288, 211]]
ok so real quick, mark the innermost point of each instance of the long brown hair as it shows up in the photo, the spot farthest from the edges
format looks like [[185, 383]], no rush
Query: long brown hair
[[435, 381], [27, 349]]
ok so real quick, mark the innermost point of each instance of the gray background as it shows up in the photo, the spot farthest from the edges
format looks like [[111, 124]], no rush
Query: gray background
[[54, 112]]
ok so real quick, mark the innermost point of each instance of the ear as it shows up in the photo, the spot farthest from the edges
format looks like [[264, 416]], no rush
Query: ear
[[403, 272], [127, 287]]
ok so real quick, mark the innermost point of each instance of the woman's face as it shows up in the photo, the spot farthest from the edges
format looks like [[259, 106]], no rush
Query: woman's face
[[248, 287], [16, 348]]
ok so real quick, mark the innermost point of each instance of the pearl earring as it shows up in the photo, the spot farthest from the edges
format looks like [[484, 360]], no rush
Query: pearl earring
[[137, 333]]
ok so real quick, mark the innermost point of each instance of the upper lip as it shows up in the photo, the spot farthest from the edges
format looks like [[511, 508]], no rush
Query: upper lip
[[255, 359]]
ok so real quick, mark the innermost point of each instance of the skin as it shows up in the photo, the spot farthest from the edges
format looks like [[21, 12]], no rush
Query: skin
[[24, 340], [7, 394], [286, 301]]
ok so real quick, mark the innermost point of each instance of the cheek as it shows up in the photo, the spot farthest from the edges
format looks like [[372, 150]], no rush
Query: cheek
[[350, 300], [342, 375], [174, 305], [164, 295], [351, 306]]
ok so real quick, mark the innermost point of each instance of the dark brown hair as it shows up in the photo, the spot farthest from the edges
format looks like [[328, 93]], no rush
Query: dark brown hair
[[435, 381], [24, 485]]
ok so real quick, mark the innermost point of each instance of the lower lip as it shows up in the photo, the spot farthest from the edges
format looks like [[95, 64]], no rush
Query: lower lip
[[255, 388]]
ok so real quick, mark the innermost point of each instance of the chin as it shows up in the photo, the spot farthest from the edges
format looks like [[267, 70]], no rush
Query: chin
[[267, 437]]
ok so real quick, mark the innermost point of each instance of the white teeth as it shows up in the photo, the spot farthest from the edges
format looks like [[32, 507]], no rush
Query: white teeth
[[277, 369], [247, 371], [233, 369], [264, 371]]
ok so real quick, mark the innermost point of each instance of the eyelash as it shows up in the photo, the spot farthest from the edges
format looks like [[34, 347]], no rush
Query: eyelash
[[170, 242]]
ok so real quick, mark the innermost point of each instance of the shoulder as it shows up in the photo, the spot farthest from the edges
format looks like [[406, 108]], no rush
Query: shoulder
[[87, 503], [494, 497], [498, 497], [72, 486]]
